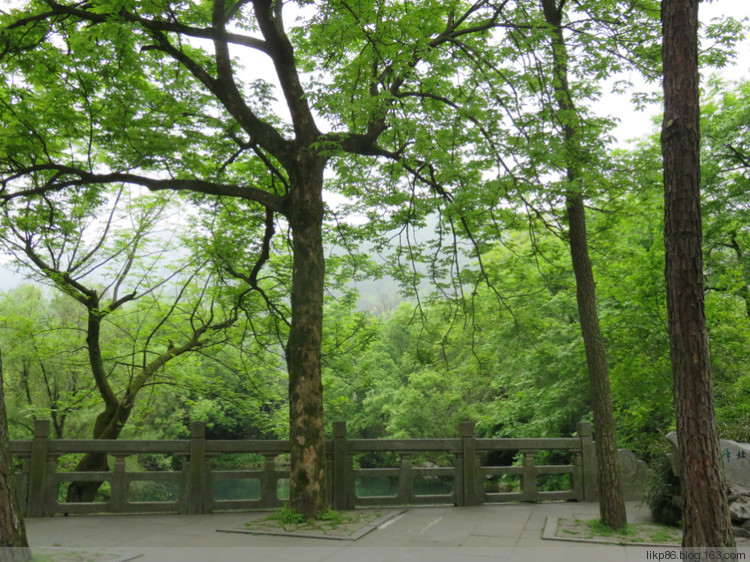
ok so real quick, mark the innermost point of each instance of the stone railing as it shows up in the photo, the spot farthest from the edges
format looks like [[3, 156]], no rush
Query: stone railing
[[459, 477]]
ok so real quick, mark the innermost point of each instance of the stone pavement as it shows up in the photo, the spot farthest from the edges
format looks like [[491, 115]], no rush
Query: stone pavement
[[490, 532]]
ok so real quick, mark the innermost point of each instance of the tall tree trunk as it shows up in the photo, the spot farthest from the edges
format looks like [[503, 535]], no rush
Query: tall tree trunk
[[307, 493], [14, 546], [611, 501], [705, 512]]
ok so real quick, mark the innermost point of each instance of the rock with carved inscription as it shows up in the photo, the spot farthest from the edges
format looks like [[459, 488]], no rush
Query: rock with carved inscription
[[736, 461], [736, 458]]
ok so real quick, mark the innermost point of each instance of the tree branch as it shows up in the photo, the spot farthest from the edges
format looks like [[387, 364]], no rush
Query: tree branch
[[225, 90], [58, 9], [282, 54], [363, 143], [264, 133], [744, 160], [84, 177]]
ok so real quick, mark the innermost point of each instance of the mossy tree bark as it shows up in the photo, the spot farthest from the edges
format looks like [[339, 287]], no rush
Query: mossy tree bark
[[308, 488]]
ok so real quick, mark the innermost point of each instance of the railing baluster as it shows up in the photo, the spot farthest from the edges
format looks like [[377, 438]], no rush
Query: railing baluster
[[472, 487], [589, 461], [36, 498], [528, 477], [341, 472], [118, 498], [268, 483], [198, 492], [405, 480]]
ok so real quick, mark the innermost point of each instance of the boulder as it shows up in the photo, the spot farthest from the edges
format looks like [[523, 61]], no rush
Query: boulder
[[736, 458], [635, 475], [739, 509], [736, 461], [735, 492], [741, 533]]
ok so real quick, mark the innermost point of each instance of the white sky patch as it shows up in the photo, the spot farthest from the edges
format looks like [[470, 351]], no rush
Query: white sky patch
[[636, 124]]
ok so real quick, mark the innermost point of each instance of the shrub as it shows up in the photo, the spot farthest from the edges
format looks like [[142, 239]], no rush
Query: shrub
[[663, 496], [287, 516]]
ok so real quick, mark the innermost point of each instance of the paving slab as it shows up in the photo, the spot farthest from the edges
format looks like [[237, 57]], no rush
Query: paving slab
[[435, 534]]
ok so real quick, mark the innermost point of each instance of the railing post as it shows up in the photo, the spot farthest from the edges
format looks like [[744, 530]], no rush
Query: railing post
[[472, 493], [341, 470], [118, 498], [36, 505], [268, 483], [528, 484], [405, 480], [197, 492], [589, 461]]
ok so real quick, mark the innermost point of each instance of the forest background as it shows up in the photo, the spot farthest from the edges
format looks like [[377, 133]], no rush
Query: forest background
[[425, 325]]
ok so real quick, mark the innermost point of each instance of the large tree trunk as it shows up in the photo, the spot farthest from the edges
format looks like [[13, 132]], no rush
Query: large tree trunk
[[307, 490], [705, 511], [611, 501], [14, 546], [108, 425]]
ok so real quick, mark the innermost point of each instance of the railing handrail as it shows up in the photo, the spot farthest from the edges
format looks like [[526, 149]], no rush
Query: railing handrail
[[40, 479], [535, 443]]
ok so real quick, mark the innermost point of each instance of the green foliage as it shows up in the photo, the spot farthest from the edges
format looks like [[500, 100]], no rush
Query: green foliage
[[45, 365], [664, 493], [287, 516], [726, 180], [513, 362], [600, 528], [333, 517]]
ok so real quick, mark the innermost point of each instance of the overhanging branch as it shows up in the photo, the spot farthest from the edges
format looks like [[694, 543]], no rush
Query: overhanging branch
[[69, 176]]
